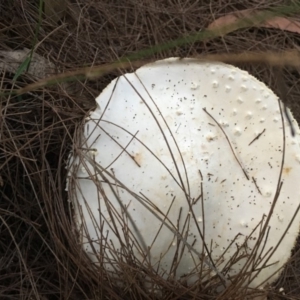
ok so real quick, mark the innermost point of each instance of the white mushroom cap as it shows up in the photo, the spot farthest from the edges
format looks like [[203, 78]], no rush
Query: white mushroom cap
[[180, 131]]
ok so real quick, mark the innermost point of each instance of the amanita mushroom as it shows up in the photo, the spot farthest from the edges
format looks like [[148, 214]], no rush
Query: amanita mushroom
[[182, 151]]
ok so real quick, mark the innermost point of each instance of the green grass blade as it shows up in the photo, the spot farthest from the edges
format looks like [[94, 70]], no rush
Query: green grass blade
[[24, 66], [26, 63]]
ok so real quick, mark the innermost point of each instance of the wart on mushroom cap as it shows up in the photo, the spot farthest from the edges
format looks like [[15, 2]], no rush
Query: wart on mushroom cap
[[199, 145]]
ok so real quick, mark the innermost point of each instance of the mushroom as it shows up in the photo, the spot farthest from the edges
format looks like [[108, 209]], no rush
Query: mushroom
[[183, 158]]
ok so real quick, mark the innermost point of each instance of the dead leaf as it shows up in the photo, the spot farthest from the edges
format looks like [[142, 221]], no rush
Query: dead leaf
[[55, 9], [284, 24], [281, 23], [39, 67]]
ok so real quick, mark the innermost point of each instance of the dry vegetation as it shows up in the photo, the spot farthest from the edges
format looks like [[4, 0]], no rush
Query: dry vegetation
[[39, 258]]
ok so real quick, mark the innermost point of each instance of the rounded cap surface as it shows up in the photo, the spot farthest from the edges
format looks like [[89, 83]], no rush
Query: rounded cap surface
[[185, 149]]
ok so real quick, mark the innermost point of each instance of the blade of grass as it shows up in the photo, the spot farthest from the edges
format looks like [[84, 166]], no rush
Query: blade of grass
[[24, 66], [135, 59], [26, 63]]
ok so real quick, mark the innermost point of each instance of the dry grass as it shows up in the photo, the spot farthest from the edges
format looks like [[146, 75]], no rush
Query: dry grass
[[39, 259]]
